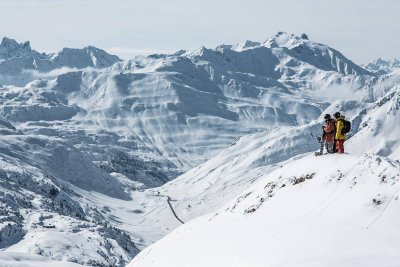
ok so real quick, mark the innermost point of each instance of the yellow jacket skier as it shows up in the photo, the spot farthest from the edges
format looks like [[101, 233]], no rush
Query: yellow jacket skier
[[340, 137]]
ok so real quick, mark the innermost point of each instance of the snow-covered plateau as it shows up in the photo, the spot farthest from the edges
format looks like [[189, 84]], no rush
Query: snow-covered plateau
[[102, 159]]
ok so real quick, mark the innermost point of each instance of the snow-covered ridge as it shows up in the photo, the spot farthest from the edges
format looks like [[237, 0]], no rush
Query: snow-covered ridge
[[18, 57], [150, 107], [157, 102], [9, 48], [304, 198], [208, 186], [304, 50], [319, 55], [381, 66], [378, 126], [310, 208]]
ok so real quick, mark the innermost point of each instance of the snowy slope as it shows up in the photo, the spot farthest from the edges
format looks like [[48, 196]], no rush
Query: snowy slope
[[151, 107], [45, 210], [87, 171], [335, 210], [26, 260], [318, 55], [260, 165], [379, 127], [207, 187]]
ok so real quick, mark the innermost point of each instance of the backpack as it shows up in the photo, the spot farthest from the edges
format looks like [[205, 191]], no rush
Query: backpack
[[346, 127]]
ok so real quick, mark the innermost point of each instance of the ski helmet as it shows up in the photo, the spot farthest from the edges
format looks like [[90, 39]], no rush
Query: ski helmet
[[337, 115], [327, 117]]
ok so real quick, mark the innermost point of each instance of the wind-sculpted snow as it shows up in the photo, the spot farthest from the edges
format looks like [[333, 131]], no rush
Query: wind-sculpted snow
[[209, 185], [378, 126], [225, 175], [308, 209], [318, 55], [257, 169], [91, 145], [158, 102], [61, 161]]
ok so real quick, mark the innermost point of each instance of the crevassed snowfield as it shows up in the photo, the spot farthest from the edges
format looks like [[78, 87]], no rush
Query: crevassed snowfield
[[93, 147]]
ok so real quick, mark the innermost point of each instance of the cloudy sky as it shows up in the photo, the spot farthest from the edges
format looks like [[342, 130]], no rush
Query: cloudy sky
[[361, 29]]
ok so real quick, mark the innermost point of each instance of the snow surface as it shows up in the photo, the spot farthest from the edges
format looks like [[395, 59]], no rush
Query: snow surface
[[26, 260], [333, 210], [92, 146]]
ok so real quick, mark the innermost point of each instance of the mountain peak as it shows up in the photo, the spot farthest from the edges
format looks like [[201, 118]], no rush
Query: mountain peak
[[9, 48], [88, 56], [8, 42], [245, 45], [15, 57], [284, 39], [381, 66], [11, 44]]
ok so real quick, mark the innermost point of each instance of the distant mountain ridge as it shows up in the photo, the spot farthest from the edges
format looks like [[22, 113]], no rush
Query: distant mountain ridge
[[160, 99], [16, 57], [381, 66], [9, 48], [303, 49]]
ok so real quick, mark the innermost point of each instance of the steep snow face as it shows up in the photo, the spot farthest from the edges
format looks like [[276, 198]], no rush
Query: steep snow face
[[209, 185], [81, 58], [379, 127], [89, 121], [381, 66], [318, 55], [223, 177], [298, 214]]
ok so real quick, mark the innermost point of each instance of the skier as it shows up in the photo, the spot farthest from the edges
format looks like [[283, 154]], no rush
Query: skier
[[340, 137], [329, 134]]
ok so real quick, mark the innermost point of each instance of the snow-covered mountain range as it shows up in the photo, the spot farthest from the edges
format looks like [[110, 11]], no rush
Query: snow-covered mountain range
[[93, 147], [256, 202], [19, 63], [381, 66]]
